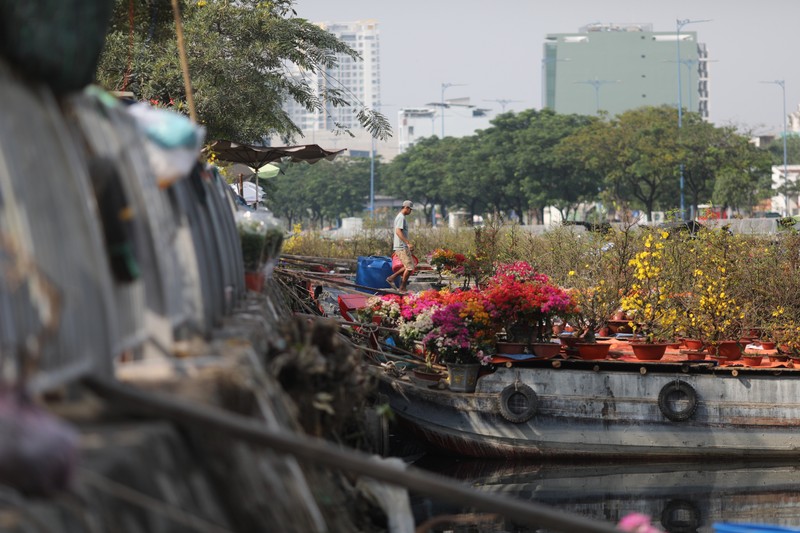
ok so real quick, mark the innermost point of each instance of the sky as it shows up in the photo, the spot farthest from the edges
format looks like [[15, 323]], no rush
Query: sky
[[494, 49]]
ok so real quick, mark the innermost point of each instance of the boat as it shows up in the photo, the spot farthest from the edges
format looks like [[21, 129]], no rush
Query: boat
[[620, 409]]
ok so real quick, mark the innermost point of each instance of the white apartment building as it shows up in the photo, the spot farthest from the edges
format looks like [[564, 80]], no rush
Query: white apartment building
[[360, 80]]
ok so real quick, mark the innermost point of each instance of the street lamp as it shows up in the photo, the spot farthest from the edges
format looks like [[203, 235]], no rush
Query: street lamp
[[446, 86], [597, 84], [680, 24], [782, 84]]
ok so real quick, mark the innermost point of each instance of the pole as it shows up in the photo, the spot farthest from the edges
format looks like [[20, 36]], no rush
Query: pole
[[372, 180], [678, 25], [787, 211], [782, 84]]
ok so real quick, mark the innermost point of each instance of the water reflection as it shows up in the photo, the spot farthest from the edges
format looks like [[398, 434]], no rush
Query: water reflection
[[680, 498]]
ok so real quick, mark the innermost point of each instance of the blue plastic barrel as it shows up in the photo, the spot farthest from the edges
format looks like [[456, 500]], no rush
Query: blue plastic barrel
[[730, 527], [373, 270]]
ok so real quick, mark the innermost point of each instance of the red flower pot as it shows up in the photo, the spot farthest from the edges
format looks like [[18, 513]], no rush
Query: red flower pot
[[695, 356], [768, 345], [546, 350], [693, 344], [649, 351], [752, 360], [511, 347], [593, 350], [254, 281], [728, 350]]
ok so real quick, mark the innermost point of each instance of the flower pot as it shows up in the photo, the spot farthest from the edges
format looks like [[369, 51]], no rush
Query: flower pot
[[511, 347], [427, 375], [646, 351], [752, 360], [463, 377], [727, 350], [254, 281], [768, 345], [546, 350], [593, 350], [778, 358], [695, 356], [693, 344], [569, 340]]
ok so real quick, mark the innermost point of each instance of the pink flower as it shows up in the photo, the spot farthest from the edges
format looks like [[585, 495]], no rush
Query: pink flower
[[637, 523]]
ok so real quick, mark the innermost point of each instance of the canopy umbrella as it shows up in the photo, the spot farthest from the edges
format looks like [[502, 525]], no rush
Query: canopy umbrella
[[257, 157]]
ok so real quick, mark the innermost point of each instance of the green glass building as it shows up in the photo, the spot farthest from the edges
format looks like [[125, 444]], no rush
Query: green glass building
[[617, 67]]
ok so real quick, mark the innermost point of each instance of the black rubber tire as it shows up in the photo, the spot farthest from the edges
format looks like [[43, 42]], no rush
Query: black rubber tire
[[668, 408], [681, 516], [518, 403]]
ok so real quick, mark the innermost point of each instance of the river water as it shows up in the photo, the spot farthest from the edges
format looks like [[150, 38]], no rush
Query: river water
[[679, 498]]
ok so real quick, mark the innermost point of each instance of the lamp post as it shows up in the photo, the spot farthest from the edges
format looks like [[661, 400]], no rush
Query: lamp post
[[680, 23], [782, 84], [372, 179], [597, 84], [444, 87]]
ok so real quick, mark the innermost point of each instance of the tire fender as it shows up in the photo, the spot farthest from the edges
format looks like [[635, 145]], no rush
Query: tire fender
[[518, 403], [668, 408]]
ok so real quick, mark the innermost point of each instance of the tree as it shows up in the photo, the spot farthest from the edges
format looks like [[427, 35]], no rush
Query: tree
[[237, 52], [324, 191]]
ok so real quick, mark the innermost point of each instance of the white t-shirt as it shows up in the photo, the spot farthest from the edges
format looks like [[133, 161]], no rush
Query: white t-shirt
[[400, 222]]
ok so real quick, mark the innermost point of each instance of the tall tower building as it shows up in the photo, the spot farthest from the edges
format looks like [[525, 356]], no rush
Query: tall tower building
[[359, 80], [617, 67]]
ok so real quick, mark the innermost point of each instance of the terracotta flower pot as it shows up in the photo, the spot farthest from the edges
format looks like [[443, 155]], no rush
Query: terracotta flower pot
[[693, 344], [768, 345], [727, 350], [695, 356], [593, 350], [646, 351], [752, 360], [254, 281], [546, 350], [511, 347]]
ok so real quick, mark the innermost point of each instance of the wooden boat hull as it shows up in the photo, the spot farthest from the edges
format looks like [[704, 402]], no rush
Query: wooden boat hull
[[603, 411]]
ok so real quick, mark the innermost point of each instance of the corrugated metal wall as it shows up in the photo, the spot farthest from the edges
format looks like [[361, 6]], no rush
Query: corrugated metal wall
[[183, 238]]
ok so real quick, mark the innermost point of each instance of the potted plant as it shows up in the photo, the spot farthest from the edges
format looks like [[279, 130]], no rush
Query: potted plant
[[456, 346], [649, 300], [252, 237]]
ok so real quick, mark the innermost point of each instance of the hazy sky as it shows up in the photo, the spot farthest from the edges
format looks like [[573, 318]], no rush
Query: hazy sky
[[494, 48]]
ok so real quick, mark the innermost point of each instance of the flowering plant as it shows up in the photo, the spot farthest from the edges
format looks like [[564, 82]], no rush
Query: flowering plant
[[451, 338], [447, 260], [386, 307], [648, 300], [714, 311], [518, 295]]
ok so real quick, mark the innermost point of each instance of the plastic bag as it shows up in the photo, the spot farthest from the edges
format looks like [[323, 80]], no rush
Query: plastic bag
[[172, 142], [261, 235], [397, 264]]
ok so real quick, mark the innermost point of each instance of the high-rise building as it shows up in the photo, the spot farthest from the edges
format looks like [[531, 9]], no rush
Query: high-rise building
[[359, 80], [617, 67]]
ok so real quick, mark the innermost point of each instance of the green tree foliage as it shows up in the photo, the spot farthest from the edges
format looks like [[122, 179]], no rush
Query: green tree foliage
[[775, 149], [236, 53], [322, 192]]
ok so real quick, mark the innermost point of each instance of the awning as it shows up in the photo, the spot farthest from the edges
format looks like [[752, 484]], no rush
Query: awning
[[256, 157]]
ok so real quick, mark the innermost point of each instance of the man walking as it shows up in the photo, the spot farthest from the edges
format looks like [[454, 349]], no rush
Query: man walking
[[402, 247]]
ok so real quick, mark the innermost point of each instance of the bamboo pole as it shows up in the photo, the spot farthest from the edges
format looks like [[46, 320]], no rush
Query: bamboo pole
[[323, 453], [187, 82]]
